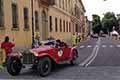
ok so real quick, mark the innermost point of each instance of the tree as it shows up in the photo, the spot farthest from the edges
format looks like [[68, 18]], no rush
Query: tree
[[109, 20], [96, 24]]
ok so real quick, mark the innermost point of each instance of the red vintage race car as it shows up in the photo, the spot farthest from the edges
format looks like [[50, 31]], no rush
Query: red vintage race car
[[45, 56]]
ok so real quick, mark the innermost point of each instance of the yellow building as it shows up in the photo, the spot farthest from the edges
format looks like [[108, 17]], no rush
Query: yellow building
[[16, 20], [64, 18], [59, 20]]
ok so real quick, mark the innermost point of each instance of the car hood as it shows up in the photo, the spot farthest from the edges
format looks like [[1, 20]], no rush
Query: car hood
[[41, 49]]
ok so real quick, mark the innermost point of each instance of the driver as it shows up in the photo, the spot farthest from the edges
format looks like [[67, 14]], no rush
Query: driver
[[64, 45], [58, 43]]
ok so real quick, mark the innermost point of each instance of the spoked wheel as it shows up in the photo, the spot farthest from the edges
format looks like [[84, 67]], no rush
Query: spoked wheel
[[44, 66], [74, 58], [14, 66]]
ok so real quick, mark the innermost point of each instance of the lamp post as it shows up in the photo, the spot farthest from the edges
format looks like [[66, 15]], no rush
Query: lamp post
[[33, 40]]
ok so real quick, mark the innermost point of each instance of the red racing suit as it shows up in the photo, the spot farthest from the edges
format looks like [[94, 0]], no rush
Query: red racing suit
[[7, 46]]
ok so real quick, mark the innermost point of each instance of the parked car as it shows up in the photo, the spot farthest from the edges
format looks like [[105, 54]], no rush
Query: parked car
[[45, 57], [103, 35], [94, 36]]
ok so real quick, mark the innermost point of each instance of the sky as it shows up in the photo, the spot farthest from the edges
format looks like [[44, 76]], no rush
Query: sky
[[100, 7]]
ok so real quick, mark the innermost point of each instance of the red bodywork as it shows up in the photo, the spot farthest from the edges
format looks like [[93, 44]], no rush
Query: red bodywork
[[15, 54], [7, 46], [56, 54]]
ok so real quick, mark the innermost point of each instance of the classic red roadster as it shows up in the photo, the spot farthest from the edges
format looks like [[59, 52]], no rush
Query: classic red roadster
[[45, 56]]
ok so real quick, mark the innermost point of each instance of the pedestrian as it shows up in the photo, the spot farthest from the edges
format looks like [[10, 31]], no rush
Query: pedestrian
[[79, 38], [7, 46], [37, 41], [74, 37]]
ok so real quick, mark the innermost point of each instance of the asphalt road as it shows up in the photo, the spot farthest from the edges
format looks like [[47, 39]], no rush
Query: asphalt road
[[108, 54], [99, 59]]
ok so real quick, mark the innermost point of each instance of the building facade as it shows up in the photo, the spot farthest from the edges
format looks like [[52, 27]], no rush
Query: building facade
[[56, 18], [15, 21], [65, 19], [60, 25]]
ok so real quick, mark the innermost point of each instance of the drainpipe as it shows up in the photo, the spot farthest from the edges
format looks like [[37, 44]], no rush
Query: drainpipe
[[32, 23]]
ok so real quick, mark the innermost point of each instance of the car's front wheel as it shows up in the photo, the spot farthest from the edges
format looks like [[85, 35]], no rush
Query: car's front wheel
[[14, 66], [44, 66]]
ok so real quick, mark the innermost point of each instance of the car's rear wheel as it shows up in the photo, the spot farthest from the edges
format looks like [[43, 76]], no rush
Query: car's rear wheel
[[44, 66], [14, 66], [74, 58]]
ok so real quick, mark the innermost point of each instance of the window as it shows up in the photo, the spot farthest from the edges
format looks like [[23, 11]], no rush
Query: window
[[60, 3], [64, 26], [50, 23], [76, 27], [1, 14], [60, 25], [66, 4], [63, 3], [36, 21], [56, 2], [73, 27], [14, 15], [69, 27], [69, 4], [26, 19], [56, 25]]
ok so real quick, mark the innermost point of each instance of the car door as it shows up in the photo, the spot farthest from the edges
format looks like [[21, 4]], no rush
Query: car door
[[66, 53], [60, 54]]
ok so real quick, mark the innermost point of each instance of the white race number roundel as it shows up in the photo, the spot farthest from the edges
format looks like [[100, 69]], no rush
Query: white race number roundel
[[60, 53]]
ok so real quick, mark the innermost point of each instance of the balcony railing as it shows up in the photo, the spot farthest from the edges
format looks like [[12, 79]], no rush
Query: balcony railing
[[47, 2]]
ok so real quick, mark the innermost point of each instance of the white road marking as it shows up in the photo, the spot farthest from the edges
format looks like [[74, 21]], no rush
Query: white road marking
[[96, 45], [90, 58], [118, 45], [89, 46], [95, 52], [104, 46], [82, 46], [111, 46]]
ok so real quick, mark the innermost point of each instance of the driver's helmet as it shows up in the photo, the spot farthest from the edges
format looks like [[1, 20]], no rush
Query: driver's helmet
[[63, 44], [58, 43]]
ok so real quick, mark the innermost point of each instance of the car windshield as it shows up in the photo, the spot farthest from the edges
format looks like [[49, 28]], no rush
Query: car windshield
[[48, 42]]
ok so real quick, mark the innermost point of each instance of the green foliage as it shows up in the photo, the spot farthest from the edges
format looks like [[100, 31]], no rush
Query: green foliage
[[96, 24], [109, 20]]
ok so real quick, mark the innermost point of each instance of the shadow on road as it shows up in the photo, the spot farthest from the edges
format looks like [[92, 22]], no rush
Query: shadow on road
[[58, 68]]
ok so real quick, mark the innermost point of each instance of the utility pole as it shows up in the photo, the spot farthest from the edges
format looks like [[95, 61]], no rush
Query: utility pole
[[32, 7]]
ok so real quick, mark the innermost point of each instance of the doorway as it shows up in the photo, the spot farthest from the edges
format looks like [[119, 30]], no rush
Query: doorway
[[43, 25]]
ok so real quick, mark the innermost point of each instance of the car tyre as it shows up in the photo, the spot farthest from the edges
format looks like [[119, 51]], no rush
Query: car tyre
[[74, 58], [14, 66], [44, 66]]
